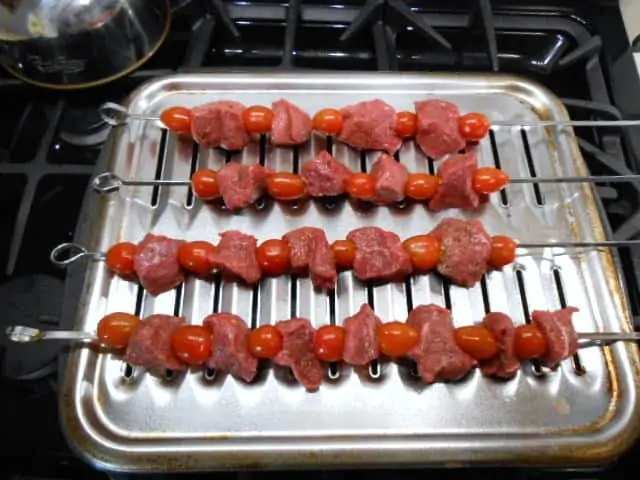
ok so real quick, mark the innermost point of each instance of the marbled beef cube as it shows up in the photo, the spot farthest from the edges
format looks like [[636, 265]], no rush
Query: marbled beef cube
[[219, 125]]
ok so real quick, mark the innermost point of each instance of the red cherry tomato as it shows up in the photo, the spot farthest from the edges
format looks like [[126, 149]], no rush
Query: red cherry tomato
[[328, 121], [274, 257], [197, 257], [424, 250], [396, 339], [265, 342], [120, 259], [361, 185], [192, 344], [477, 341], [177, 119], [328, 343], [529, 342], [286, 186], [422, 186], [344, 253], [257, 119], [114, 330], [474, 126], [406, 124], [488, 180], [205, 184], [503, 251]]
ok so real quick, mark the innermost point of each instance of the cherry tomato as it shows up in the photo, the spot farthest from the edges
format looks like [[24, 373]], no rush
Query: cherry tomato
[[344, 253], [422, 186], [115, 329], [274, 257], [197, 257], [177, 119], [120, 259], [397, 338], [406, 124], [257, 119], [205, 184], [477, 341], [361, 185], [286, 186], [503, 251], [488, 180], [265, 342], [328, 121], [424, 251], [328, 343], [192, 344], [474, 126], [529, 342]]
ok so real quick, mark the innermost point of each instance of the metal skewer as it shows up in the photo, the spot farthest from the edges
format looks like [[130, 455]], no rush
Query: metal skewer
[[590, 179], [117, 115], [68, 253], [567, 123], [109, 182], [602, 244], [23, 334]]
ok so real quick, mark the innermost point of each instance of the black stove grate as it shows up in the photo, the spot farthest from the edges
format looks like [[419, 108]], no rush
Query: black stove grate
[[51, 142]]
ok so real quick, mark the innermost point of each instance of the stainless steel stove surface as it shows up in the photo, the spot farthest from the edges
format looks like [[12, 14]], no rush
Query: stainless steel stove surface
[[50, 145]]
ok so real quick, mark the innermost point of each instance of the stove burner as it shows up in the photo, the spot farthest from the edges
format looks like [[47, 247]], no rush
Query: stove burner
[[83, 127], [375, 9], [390, 17], [34, 301], [178, 4], [219, 10]]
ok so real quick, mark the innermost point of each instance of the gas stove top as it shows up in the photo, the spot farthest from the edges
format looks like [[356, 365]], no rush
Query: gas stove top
[[52, 142]]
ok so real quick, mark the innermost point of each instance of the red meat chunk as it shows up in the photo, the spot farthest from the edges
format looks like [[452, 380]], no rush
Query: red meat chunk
[[236, 254], [291, 125], [230, 347], [506, 364], [379, 255], [156, 263], [466, 248], [325, 176], [240, 185], [438, 356], [438, 132], [150, 344], [310, 252], [361, 337], [456, 189], [390, 177], [297, 352], [557, 328], [370, 125], [219, 125]]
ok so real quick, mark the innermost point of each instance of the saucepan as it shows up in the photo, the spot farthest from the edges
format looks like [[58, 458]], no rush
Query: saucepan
[[69, 44]]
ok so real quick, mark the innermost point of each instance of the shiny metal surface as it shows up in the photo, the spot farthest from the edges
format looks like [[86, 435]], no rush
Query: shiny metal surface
[[67, 253], [569, 123], [137, 422], [79, 43], [24, 334], [591, 179]]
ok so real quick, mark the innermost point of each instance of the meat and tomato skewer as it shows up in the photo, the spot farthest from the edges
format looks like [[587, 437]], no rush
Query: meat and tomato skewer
[[459, 182], [438, 126], [441, 352], [460, 250]]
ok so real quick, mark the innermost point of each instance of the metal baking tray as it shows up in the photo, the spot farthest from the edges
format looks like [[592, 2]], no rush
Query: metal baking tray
[[586, 412]]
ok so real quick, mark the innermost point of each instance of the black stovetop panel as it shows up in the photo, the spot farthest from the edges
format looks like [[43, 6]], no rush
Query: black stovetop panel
[[51, 142]]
